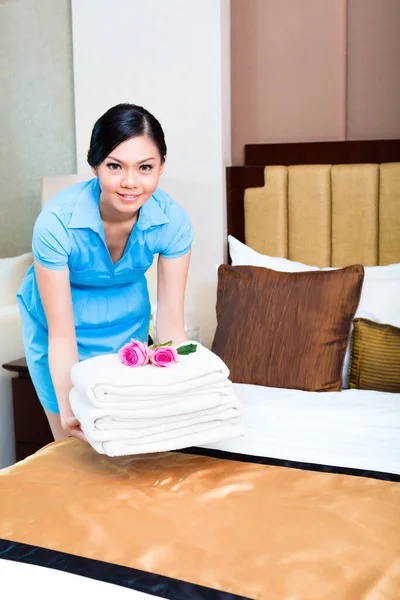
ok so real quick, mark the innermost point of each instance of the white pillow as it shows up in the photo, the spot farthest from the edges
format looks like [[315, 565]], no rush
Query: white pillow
[[12, 271], [244, 255], [380, 294]]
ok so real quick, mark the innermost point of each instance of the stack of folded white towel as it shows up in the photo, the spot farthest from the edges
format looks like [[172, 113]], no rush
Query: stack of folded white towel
[[125, 410]]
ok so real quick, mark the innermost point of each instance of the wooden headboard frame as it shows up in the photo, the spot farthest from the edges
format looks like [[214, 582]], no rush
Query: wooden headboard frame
[[258, 156]]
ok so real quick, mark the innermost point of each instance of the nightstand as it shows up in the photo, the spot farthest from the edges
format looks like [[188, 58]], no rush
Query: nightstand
[[32, 430]]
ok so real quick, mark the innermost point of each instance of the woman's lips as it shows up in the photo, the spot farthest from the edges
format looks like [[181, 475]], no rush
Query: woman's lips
[[128, 197]]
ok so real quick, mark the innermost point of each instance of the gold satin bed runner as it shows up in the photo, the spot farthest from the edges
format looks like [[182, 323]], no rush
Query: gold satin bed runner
[[250, 529]]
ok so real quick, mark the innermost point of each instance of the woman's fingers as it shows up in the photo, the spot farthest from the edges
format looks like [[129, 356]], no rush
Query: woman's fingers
[[72, 422], [75, 428], [78, 433]]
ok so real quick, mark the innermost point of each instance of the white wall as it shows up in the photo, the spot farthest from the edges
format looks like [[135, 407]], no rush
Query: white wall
[[173, 59]]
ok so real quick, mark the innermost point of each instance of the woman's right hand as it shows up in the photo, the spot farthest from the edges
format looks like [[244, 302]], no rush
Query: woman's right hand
[[72, 427]]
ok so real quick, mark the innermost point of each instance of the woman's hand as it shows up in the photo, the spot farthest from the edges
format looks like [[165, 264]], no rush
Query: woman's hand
[[72, 426]]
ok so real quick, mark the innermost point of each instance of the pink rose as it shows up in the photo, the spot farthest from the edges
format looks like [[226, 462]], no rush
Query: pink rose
[[134, 354], [163, 356]]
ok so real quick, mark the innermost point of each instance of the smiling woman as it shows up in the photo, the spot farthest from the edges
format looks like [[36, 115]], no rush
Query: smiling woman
[[127, 181], [86, 293]]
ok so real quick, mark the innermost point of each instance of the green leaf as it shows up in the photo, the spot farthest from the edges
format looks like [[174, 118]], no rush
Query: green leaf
[[187, 349]]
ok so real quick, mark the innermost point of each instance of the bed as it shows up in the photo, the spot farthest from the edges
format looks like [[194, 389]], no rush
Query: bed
[[305, 505]]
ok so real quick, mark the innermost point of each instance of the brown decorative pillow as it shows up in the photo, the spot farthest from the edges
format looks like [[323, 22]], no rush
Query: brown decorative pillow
[[286, 330], [375, 357]]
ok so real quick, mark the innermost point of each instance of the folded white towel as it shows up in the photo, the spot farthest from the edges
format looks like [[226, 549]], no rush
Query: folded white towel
[[173, 410], [135, 400], [125, 410], [176, 441], [153, 432], [105, 375], [186, 437], [201, 416], [106, 424]]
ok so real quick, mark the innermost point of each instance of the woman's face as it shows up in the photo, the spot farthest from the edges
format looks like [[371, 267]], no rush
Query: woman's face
[[129, 176]]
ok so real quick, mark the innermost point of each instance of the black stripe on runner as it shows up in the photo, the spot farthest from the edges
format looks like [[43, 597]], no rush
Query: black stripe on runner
[[291, 464], [134, 579]]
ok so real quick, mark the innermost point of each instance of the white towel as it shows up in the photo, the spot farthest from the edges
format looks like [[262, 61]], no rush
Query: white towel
[[176, 440], [125, 410], [141, 398], [154, 429], [174, 409], [105, 375], [201, 416], [108, 428], [190, 409]]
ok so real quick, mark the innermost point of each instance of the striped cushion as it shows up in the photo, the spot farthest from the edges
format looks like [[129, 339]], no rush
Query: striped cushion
[[375, 357]]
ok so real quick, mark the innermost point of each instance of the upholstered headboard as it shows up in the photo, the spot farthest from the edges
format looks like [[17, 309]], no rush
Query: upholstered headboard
[[326, 204]]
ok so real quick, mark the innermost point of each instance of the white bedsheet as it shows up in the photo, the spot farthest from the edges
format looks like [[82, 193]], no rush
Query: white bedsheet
[[351, 428], [25, 581]]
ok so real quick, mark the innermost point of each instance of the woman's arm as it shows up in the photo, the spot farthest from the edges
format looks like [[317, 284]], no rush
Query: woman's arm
[[171, 283], [55, 293]]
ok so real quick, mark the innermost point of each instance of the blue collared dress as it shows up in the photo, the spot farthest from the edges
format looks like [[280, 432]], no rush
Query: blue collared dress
[[110, 301]]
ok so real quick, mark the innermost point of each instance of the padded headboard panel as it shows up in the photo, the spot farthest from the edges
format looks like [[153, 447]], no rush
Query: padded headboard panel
[[326, 215]]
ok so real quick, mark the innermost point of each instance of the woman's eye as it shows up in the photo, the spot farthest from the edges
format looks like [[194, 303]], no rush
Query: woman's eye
[[113, 166], [146, 167]]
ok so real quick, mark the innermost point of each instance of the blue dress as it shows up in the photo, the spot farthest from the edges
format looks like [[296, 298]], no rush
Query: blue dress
[[110, 301]]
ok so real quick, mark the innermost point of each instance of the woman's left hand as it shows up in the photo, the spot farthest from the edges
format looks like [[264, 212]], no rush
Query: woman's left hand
[[75, 428]]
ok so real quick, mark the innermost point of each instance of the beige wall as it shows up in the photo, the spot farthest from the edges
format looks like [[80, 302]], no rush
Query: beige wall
[[36, 111], [373, 109], [314, 70]]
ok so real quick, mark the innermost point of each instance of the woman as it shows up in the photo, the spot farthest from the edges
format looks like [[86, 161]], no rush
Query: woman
[[86, 293]]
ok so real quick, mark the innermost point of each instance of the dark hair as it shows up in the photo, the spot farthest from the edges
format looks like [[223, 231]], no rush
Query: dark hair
[[120, 123]]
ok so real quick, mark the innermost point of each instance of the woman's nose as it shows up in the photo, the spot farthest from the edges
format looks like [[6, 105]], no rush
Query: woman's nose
[[129, 179]]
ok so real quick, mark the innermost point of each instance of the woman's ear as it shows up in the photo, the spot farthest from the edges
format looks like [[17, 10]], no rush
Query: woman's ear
[[163, 165], [94, 170]]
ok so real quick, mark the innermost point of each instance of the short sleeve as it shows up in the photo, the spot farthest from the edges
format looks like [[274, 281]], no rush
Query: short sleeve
[[177, 234], [51, 245]]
